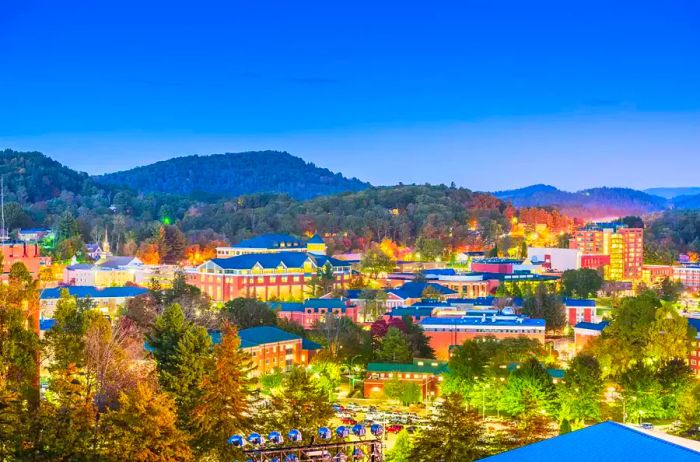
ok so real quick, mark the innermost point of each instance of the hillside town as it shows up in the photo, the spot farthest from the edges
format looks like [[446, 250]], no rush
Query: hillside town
[[534, 338]]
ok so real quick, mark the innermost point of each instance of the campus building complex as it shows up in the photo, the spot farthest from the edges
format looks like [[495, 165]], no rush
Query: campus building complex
[[623, 245]]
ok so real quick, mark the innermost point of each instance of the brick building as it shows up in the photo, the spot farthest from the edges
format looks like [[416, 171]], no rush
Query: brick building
[[624, 246]]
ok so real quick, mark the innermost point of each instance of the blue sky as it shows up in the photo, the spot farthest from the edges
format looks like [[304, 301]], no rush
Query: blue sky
[[489, 94]]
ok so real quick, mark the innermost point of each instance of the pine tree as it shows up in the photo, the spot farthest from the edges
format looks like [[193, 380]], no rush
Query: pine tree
[[454, 435], [394, 347], [299, 403], [143, 429], [224, 408]]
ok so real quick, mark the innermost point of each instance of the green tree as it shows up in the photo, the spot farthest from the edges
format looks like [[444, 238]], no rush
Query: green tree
[[453, 434], [581, 392], [529, 391], [375, 261], [403, 447], [299, 403], [405, 392], [669, 290], [224, 407], [183, 355], [248, 312], [66, 339], [547, 306], [420, 345], [582, 283], [394, 347]]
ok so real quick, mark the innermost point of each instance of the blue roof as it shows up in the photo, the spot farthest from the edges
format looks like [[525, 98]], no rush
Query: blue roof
[[578, 302], [695, 322], [254, 336], [599, 326], [534, 322], [499, 261], [307, 344], [93, 292], [440, 272], [604, 442], [411, 311], [415, 289], [353, 293], [34, 230], [324, 303], [271, 241], [287, 306], [46, 324], [275, 259], [315, 239]]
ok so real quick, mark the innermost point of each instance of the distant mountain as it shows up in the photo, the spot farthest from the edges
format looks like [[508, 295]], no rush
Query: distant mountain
[[670, 193], [230, 174], [687, 202], [588, 203]]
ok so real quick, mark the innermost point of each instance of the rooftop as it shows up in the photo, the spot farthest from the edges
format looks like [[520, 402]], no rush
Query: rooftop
[[605, 442], [418, 366], [484, 321], [271, 241], [415, 289], [599, 326], [93, 292], [274, 260]]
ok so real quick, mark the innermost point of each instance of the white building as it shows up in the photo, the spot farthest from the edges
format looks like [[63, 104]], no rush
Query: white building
[[555, 259]]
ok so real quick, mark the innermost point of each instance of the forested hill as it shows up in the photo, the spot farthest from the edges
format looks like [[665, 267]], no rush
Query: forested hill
[[588, 203], [32, 177], [235, 174]]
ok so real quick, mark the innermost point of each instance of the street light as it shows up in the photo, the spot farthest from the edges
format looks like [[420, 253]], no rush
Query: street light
[[352, 372]]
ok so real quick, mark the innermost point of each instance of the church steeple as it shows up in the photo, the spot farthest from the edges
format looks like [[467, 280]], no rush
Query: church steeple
[[106, 250]]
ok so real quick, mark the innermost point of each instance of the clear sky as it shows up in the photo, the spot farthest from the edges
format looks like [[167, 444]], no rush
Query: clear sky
[[489, 94]]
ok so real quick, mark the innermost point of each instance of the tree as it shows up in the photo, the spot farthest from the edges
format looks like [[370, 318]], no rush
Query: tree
[[642, 393], [405, 392], [224, 408], [529, 391], [299, 403], [581, 283], [375, 261], [581, 392], [143, 429], [394, 347], [183, 354], [453, 435], [403, 447], [66, 339], [248, 312], [420, 345], [670, 291], [323, 281], [546, 306]]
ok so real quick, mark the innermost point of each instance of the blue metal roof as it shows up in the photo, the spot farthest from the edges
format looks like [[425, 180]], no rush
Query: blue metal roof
[[46, 324], [411, 311], [324, 303], [275, 259], [534, 322], [93, 292], [315, 239], [415, 289], [604, 442], [599, 326], [309, 345], [271, 241], [265, 334], [287, 306], [579, 302]]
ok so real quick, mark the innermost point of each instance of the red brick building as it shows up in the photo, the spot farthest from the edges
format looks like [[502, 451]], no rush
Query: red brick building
[[265, 276], [25, 252], [312, 311], [426, 373], [580, 310], [623, 245], [446, 333]]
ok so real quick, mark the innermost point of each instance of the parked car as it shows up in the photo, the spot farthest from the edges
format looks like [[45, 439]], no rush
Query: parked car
[[394, 428], [646, 426], [348, 421]]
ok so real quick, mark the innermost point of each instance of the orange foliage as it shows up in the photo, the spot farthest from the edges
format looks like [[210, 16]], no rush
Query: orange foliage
[[148, 253]]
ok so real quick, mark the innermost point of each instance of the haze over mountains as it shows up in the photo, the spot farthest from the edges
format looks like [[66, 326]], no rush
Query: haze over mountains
[[31, 177]]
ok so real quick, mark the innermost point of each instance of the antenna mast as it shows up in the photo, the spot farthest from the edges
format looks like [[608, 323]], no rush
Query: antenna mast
[[4, 235]]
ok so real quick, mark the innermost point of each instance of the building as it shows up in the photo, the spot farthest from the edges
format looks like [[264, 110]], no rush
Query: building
[[580, 310], [468, 285], [272, 348], [444, 333], [414, 291], [312, 311], [107, 299], [652, 274], [415, 312], [606, 442], [694, 359], [273, 243], [265, 276], [624, 246], [35, 234], [107, 272], [688, 275], [595, 261], [426, 373], [496, 265], [585, 332], [555, 259], [28, 253]]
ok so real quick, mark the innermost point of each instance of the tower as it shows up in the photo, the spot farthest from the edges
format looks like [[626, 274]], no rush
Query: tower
[[106, 250]]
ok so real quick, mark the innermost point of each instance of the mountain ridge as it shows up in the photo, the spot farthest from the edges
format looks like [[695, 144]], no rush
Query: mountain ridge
[[235, 174]]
